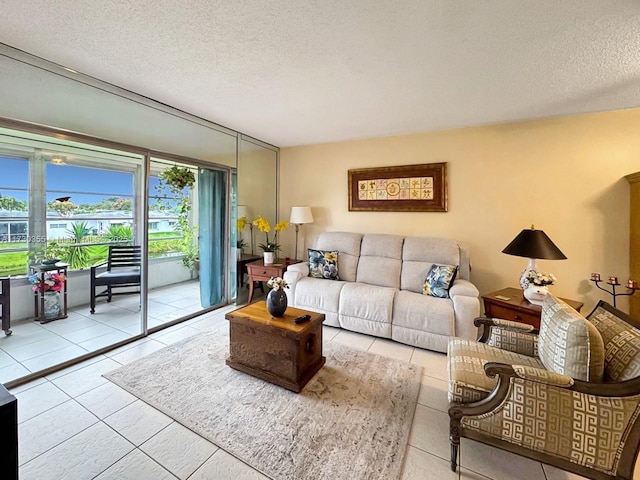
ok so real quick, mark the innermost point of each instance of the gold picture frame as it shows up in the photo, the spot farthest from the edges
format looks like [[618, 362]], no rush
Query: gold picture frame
[[406, 188]]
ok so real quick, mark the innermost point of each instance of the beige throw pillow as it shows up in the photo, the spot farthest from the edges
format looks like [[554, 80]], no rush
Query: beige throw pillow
[[568, 343], [621, 344]]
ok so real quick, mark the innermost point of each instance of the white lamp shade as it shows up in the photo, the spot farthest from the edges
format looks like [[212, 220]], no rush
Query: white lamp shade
[[300, 215], [243, 211]]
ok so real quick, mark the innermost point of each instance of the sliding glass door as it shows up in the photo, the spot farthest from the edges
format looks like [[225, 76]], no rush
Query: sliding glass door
[[103, 245]]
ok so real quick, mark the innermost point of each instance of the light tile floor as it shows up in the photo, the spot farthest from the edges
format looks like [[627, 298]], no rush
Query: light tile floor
[[77, 425], [33, 347]]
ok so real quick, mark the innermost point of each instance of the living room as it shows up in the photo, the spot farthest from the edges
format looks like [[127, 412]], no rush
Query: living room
[[553, 151]]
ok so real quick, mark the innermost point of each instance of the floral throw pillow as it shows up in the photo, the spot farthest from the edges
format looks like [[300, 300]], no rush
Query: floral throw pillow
[[323, 264], [439, 279]]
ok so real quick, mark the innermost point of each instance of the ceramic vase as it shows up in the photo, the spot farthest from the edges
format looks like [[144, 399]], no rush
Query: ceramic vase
[[268, 258], [536, 294], [277, 302], [51, 304]]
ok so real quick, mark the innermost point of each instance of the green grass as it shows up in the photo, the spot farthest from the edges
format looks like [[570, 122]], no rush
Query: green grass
[[15, 263]]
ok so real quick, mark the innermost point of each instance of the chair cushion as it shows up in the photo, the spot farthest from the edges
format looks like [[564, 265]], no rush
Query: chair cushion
[[621, 345], [467, 380], [323, 264], [119, 276], [568, 343]]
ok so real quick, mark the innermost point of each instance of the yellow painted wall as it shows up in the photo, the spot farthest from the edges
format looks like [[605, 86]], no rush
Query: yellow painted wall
[[565, 175]]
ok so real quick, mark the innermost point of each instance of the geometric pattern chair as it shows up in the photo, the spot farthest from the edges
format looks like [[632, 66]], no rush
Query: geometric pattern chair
[[122, 271], [567, 395]]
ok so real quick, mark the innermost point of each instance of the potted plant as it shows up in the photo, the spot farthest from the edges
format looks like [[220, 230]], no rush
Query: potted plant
[[49, 285], [240, 242], [271, 246], [537, 289], [180, 181]]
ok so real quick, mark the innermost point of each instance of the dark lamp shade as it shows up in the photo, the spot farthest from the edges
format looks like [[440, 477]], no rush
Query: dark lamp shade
[[534, 244]]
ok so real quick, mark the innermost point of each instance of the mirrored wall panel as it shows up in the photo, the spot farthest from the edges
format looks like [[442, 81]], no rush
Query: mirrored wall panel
[[257, 209]]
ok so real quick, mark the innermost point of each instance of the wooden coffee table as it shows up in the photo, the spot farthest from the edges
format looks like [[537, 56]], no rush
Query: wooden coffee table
[[275, 349]]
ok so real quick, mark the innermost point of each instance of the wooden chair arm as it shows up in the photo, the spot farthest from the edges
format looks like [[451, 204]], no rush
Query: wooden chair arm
[[98, 265]]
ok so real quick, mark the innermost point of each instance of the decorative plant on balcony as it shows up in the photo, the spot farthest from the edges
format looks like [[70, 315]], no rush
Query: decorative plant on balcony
[[53, 282], [181, 181], [270, 245], [77, 255]]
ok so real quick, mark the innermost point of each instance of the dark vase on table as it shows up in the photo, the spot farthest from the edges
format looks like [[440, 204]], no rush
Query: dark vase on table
[[277, 302]]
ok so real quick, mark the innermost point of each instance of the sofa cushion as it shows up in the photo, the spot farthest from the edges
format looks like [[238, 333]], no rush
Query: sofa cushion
[[423, 312], [568, 343], [348, 244], [380, 260], [621, 345], [419, 253], [467, 380], [439, 280], [366, 308], [319, 295], [323, 264]]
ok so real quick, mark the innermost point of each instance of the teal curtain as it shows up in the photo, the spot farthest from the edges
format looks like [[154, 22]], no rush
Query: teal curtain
[[212, 217], [233, 271]]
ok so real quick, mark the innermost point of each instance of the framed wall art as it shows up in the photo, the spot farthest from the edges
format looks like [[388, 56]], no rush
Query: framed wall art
[[407, 188]]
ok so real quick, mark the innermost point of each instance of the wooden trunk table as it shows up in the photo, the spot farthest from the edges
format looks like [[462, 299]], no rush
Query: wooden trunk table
[[275, 349]]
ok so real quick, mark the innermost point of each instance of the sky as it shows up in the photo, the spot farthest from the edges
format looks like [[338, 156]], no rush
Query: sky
[[94, 184]]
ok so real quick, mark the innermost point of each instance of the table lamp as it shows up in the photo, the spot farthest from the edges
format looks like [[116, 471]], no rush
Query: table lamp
[[533, 244], [300, 216]]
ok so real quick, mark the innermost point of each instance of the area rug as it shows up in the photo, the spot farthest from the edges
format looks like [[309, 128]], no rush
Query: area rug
[[351, 421]]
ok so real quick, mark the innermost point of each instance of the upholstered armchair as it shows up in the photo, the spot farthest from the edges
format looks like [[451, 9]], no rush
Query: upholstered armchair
[[568, 395]]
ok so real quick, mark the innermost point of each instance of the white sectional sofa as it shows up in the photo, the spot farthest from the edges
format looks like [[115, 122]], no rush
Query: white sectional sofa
[[380, 288]]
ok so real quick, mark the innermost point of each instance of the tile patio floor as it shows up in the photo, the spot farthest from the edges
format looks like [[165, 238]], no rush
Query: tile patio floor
[[33, 347], [76, 425]]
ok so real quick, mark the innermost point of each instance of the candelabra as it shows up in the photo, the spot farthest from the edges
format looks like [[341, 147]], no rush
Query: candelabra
[[613, 281]]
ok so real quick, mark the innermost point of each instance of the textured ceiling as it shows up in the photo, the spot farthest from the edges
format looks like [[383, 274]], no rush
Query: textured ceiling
[[301, 72]]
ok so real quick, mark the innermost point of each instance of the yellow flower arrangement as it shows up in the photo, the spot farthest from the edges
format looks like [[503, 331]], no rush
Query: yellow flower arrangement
[[241, 223], [264, 226]]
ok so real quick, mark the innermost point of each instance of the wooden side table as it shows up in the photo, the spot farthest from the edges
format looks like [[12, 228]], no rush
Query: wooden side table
[[510, 304], [259, 272], [242, 262]]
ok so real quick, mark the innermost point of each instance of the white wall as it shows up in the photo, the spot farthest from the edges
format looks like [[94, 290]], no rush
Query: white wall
[[565, 175]]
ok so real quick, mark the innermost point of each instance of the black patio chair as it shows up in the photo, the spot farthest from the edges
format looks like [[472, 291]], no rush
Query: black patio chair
[[123, 271]]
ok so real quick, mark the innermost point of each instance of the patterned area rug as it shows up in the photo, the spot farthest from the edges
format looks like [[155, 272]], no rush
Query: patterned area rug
[[351, 421]]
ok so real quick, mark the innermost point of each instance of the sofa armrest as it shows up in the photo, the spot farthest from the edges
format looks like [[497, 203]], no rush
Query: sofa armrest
[[302, 268], [292, 275], [463, 287], [466, 307]]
